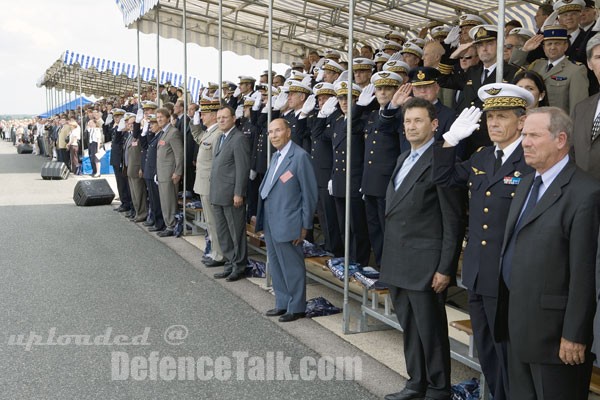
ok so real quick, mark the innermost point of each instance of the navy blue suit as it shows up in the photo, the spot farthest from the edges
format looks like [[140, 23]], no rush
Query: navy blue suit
[[149, 144], [116, 160]]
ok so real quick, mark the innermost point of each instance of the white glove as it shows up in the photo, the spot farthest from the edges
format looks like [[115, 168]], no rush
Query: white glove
[[320, 63], [366, 96], [281, 101], [396, 57], [163, 92], [464, 126], [239, 111], [197, 118], [252, 174], [309, 104], [155, 179], [121, 126], [217, 94], [204, 94], [320, 75], [139, 116], [237, 92], [145, 128], [109, 119], [257, 101], [551, 20], [330, 187], [328, 107], [453, 36], [307, 80], [288, 73], [343, 77]]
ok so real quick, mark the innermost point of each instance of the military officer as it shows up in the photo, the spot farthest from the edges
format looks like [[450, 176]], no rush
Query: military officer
[[412, 54], [390, 47], [116, 159], [135, 175], [331, 71], [149, 141], [298, 92], [380, 59], [381, 150], [566, 81], [396, 36], [334, 119], [363, 70], [469, 81], [322, 161], [491, 176]]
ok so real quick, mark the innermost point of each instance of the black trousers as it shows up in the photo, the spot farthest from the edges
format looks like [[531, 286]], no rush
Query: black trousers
[[422, 315], [530, 381], [492, 355], [154, 198], [329, 223], [122, 187], [360, 246], [252, 195], [375, 210]]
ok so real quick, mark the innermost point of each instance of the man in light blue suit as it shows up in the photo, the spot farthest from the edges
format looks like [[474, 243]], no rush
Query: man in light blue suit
[[287, 203]]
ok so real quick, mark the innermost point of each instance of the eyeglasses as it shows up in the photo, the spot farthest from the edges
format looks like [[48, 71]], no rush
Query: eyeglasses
[[466, 57], [510, 46]]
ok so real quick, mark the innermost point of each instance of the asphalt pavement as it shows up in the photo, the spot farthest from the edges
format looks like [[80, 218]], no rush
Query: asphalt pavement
[[95, 307]]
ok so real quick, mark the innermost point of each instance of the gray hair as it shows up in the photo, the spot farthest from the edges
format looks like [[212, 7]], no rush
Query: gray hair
[[559, 121], [589, 48]]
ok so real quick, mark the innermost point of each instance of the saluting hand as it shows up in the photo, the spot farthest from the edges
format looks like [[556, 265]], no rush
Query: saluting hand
[[533, 43]]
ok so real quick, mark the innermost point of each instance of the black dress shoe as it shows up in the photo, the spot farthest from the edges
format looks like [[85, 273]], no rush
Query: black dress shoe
[[221, 275], [405, 394], [214, 263], [289, 317], [121, 209], [165, 233], [235, 276], [149, 223], [156, 229], [275, 312]]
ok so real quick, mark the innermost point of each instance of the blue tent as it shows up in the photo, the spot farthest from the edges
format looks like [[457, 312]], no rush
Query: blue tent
[[71, 105]]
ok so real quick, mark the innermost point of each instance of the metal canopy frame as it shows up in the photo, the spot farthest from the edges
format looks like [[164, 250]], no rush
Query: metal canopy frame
[[299, 26]]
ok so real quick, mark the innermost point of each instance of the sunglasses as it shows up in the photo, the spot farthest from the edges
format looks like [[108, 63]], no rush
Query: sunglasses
[[509, 46]]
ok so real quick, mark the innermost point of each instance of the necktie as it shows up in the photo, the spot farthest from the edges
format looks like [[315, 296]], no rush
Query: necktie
[[508, 253], [498, 162], [549, 67], [405, 169], [485, 75], [596, 127], [221, 140], [271, 173]]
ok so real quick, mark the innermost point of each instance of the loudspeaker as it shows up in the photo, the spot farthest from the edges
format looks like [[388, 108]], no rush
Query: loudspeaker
[[24, 148], [93, 192], [54, 170]]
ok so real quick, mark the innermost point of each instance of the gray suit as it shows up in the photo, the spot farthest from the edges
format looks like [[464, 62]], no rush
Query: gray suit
[[137, 185], [207, 141], [169, 161], [585, 152], [228, 178], [288, 207]]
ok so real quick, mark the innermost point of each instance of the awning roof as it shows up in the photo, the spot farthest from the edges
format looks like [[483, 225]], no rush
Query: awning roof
[[104, 77], [300, 25]]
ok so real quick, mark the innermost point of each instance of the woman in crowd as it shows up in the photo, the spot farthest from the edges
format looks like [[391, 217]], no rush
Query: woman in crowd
[[533, 82]]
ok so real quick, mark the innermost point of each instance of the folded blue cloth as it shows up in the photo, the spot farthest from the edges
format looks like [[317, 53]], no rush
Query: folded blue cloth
[[255, 269], [313, 250], [319, 307], [338, 270]]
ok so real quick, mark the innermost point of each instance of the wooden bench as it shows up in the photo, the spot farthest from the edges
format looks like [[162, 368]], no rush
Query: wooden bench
[[465, 326], [595, 382]]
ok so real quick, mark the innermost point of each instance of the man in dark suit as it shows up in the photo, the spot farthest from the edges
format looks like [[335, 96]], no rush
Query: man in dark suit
[[586, 145], [469, 81], [116, 160], [491, 175], [422, 241], [228, 184], [287, 202], [546, 297]]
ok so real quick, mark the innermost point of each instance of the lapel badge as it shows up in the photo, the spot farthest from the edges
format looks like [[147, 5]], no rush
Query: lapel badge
[[517, 174]]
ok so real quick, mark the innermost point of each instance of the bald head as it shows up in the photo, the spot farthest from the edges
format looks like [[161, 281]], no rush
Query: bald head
[[279, 133]]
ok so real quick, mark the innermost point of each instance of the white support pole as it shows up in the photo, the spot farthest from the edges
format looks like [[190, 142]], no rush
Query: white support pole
[[185, 107], [500, 42], [157, 58], [220, 44], [346, 307]]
